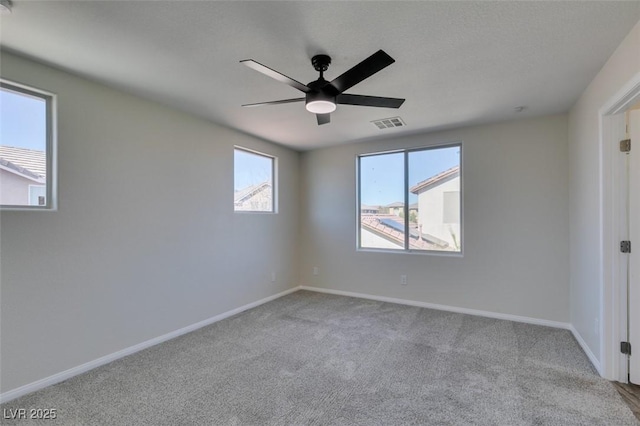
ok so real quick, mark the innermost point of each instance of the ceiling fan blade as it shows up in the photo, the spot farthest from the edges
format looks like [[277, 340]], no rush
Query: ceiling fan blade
[[323, 118], [372, 101], [275, 75], [283, 101], [363, 70]]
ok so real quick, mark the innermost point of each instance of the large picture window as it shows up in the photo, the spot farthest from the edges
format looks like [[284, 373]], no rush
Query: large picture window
[[27, 174], [253, 181], [411, 200]]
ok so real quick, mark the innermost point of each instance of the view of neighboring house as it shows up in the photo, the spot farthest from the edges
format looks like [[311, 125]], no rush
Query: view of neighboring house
[[22, 176], [386, 231], [439, 206], [364, 209], [434, 221], [413, 210], [396, 209], [254, 198]]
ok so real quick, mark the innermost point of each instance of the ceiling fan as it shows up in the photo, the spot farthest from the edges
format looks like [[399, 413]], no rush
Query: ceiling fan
[[322, 96]]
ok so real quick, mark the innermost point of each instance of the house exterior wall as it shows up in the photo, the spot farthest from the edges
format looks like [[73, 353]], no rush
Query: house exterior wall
[[396, 211], [431, 212], [14, 189]]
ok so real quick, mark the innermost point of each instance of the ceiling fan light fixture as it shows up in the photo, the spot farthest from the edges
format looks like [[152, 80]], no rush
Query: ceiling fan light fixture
[[319, 102], [321, 107]]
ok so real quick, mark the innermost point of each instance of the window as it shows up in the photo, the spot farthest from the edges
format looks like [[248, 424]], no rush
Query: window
[[253, 181], [27, 174], [410, 200]]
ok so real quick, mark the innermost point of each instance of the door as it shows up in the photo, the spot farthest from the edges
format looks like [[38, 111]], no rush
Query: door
[[633, 158]]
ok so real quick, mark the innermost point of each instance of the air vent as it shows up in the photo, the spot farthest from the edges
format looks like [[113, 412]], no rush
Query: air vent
[[387, 123]]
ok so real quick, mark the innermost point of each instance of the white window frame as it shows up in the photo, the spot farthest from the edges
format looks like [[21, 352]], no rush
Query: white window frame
[[406, 249], [274, 181], [51, 145]]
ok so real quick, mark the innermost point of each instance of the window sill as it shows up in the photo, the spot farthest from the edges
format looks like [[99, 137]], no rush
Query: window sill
[[418, 252]]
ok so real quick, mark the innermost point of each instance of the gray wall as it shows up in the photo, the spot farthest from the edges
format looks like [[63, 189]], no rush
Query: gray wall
[[516, 224], [584, 184], [145, 240]]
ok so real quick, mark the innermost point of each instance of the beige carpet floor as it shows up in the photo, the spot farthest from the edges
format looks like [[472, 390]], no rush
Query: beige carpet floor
[[316, 359]]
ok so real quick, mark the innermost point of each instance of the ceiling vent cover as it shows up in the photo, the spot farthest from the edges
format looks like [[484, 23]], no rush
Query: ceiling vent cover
[[387, 123]]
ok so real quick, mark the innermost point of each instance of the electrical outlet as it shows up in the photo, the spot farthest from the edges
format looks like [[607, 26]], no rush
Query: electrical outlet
[[316, 271], [273, 277], [403, 280]]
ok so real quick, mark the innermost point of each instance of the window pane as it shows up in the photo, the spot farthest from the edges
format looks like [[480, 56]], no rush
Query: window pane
[[23, 148], [434, 199], [253, 182], [382, 201]]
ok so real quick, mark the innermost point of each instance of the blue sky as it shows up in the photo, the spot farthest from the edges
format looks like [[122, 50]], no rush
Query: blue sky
[[250, 169], [382, 176], [22, 121]]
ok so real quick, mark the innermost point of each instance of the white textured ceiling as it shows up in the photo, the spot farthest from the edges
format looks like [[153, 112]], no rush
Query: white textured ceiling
[[457, 63]]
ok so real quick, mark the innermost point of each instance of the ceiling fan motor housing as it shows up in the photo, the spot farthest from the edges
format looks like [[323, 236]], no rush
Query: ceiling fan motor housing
[[321, 62]]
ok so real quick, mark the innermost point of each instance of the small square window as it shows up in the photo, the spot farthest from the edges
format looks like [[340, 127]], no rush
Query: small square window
[[253, 181], [27, 168]]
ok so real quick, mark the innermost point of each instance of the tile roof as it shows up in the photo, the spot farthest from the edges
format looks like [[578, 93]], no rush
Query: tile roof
[[374, 224], [33, 161], [436, 179], [20, 171], [244, 194]]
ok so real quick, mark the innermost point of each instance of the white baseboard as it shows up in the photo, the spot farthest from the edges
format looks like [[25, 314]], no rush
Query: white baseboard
[[587, 350], [67, 374], [488, 314]]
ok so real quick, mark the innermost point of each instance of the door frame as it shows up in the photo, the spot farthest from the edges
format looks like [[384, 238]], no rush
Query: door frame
[[613, 294]]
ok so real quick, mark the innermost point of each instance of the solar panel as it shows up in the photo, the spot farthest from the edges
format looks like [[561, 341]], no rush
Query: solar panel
[[399, 227], [393, 224]]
